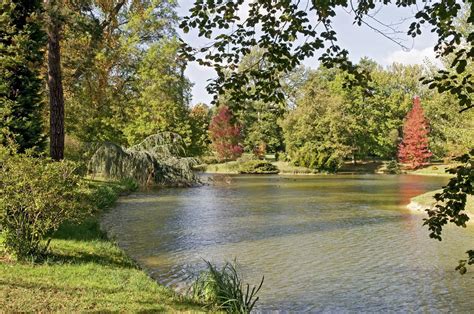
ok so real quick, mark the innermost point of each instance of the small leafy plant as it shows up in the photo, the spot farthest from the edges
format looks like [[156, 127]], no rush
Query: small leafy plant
[[392, 167], [224, 289]]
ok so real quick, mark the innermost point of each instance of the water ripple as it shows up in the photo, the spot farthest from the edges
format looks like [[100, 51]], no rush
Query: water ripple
[[333, 244]]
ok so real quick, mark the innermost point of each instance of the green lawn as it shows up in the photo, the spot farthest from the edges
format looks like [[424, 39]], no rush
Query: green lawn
[[433, 170], [288, 168], [230, 167], [85, 272]]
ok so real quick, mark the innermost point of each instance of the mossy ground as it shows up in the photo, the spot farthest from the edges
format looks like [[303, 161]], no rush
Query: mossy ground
[[84, 272]]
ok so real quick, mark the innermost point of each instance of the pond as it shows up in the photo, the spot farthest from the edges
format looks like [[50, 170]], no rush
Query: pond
[[324, 243]]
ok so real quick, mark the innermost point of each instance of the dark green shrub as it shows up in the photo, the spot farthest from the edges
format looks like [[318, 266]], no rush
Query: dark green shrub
[[223, 288], [257, 167], [392, 167], [36, 196], [313, 157]]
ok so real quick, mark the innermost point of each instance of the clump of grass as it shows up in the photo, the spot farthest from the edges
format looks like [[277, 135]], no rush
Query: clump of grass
[[224, 289]]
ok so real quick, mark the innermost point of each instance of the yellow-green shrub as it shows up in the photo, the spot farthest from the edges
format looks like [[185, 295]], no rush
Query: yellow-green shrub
[[36, 196]]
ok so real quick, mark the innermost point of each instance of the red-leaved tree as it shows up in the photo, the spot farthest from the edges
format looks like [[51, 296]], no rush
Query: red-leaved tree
[[225, 135], [413, 149]]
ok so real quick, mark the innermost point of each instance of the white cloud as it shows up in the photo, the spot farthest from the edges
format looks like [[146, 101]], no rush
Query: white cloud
[[414, 56]]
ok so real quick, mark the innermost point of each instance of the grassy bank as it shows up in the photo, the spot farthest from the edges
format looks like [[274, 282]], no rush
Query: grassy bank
[[436, 169], [426, 200], [286, 168], [361, 167], [232, 167], [84, 272]]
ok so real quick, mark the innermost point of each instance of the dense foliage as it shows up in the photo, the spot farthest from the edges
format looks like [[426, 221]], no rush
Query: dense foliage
[[36, 197], [414, 149], [21, 55], [451, 203], [289, 31], [123, 78]]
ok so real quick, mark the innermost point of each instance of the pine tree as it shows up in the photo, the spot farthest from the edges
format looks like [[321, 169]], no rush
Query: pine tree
[[21, 55], [413, 149], [225, 136]]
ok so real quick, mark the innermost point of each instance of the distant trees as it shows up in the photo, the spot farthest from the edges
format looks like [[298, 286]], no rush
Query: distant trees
[[21, 56], [225, 135], [259, 120], [162, 96], [317, 132], [414, 147], [332, 121], [122, 77], [199, 118]]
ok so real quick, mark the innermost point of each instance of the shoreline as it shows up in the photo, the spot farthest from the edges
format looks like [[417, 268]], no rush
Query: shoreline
[[419, 203], [362, 168], [87, 271]]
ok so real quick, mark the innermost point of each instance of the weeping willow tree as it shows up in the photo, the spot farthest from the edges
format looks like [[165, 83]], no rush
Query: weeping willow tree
[[158, 160]]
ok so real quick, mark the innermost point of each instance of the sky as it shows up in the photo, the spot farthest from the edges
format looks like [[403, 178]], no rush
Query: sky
[[360, 41]]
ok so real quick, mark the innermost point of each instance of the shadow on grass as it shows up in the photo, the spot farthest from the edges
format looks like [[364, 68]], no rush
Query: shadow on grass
[[80, 257], [89, 233], [88, 230]]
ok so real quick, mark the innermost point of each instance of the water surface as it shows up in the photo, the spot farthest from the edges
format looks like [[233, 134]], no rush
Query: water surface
[[324, 243]]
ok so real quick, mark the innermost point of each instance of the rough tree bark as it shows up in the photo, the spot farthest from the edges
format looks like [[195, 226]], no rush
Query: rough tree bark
[[56, 96]]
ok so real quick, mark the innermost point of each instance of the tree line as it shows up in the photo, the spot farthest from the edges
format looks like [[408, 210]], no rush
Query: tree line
[[122, 76], [112, 68], [325, 120]]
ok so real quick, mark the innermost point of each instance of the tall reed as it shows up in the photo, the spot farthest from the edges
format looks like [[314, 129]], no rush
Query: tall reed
[[223, 288]]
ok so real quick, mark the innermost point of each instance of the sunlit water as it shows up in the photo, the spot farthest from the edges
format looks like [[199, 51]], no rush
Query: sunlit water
[[325, 243]]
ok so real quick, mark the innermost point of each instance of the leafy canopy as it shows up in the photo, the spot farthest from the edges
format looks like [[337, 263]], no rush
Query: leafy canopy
[[289, 31]]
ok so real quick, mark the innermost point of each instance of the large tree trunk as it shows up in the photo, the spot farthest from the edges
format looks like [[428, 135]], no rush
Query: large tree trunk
[[56, 96]]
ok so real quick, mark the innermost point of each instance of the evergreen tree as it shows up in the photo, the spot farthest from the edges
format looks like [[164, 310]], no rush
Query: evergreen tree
[[225, 135], [414, 147], [21, 56]]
